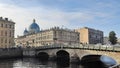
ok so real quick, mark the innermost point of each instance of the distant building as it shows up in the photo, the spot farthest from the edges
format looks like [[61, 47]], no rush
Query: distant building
[[36, 37], [6, 33], [118, 41], [90, 36], [106, 41]]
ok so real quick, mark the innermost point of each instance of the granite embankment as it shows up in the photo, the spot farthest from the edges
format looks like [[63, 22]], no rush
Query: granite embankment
[[10, 52]]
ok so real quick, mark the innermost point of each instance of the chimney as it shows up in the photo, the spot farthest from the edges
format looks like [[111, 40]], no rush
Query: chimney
[[6, 19], [1, 18]]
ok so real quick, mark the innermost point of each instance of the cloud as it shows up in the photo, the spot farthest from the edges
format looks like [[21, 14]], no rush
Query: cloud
[[45, 17]]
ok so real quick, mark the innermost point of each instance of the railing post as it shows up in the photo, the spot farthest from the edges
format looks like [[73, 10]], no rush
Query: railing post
[[88, 46], [61, 47], [93, 47], [99, 47], [83, 46], [106, 48], [113, 48]]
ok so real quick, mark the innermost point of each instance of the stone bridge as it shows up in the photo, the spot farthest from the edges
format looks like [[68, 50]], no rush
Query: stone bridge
[[79, 51]]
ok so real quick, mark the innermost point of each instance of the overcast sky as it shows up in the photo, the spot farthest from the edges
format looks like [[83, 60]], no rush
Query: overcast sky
[[98, 14]]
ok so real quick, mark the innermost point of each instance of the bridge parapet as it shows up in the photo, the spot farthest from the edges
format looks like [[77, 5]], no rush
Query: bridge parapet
[[84, 47], [72, 49]]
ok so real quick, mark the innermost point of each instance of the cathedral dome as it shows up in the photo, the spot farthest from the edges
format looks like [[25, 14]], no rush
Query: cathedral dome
[[25, 32], [34, 27]]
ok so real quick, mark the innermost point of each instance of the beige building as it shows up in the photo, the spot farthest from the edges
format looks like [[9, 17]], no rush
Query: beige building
[[106, 41], [90, 36], [6, 33], [118, 40], [50, 36]]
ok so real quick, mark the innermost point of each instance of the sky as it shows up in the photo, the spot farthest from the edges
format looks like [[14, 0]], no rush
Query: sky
[[101, 15]]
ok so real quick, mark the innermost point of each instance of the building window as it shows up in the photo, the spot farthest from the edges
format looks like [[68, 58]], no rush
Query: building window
[[9, 41], [1, 33], [55, 33], [1, 40], [6, 26], [10, 26], [1, 25], [89, 36], [5, 40], [5, 33], [13, 26], [10, 34], [33, 41]]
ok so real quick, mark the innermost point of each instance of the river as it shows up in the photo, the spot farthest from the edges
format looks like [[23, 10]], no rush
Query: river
[[33, 63]]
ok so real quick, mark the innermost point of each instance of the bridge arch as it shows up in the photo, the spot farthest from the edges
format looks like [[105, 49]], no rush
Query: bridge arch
[[80, 52], [62, 55], [93, 61], [97, 61], [42, 56]]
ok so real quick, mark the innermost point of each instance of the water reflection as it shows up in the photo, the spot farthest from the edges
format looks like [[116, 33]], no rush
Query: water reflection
[[36, 63], [61, 64]]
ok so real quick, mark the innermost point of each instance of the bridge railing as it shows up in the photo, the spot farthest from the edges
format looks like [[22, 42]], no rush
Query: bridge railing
[[101, 47], [87, 47]]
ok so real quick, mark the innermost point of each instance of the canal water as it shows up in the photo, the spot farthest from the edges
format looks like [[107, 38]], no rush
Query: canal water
[[34, 63]]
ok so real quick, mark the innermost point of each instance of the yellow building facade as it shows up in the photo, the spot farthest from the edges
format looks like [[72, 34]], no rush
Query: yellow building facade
[[6, 33], [50, 36], [90, 36]]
